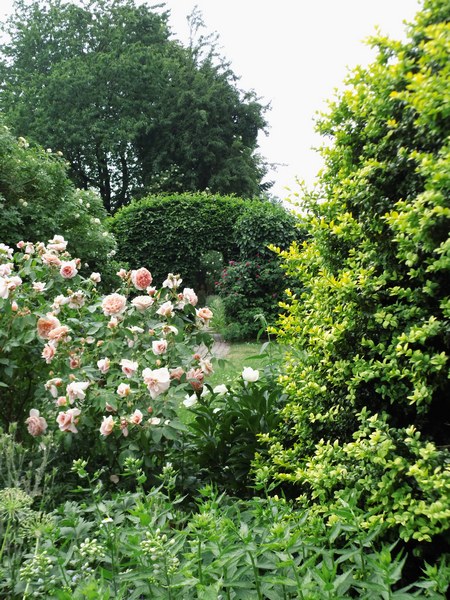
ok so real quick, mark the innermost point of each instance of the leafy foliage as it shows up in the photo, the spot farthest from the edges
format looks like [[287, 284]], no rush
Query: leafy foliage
[[369, 333], [253, 285], [37, 198], [132, 110], [174, 232]]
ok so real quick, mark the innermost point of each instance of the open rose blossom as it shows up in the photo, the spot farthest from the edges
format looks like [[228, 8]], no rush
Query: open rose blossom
[[46, 324], [36, 424], [157, 381], [68, 269], [204, 314], [58, 243], [136, 417], [52, 386], [195, 378], [159, 347], [114, 304], [141, 278], [190, 296], [107, 425], [103, 364], [68, 420], [58, 333], [142, 302], [176, 373], [48, 353], [76, 390], [166, 309], [129, 367], [124, 390], [51, 260]]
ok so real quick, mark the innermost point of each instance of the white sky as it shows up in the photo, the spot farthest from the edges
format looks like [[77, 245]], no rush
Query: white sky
[[293, 53]]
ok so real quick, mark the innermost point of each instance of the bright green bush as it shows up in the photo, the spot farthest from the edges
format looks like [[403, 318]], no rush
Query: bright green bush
[[37, 200], [370, 331], [173, 233]]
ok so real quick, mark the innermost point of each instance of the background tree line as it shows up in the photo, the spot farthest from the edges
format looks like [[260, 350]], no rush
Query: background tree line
[[132, 110]]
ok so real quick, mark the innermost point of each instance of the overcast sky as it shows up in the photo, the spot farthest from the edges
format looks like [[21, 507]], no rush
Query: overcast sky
[[293, 53]]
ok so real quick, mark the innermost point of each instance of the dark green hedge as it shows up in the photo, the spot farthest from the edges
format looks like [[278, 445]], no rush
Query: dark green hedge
[[171, 233]]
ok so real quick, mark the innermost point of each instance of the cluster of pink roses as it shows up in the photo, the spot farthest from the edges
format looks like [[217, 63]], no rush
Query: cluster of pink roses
[[140, 340]]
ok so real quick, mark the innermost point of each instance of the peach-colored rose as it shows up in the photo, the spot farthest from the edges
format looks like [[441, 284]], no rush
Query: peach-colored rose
[[113, 322], [157, 381], [166, 309], [74, 362], [58, 333], [95, 277], [190, 296], [205, 314], [159, 347], [114, 304], [58, 244], [154, 421], [6, 269], [68, 420], [142, 302], [195, 378], [124, 427], [51, 260], [39, 286], [176, 373], [36, 424], [52, 386], [61, 401], [59, 301], [206, 366], [136, 417], [103, 364], [151, 291], [107, 425], [141, 278], [20, 244], [46, 324], [14, 306], [48, 353], [124, 390], [76, 300], [129, 367], [122, 274], [68, 269]]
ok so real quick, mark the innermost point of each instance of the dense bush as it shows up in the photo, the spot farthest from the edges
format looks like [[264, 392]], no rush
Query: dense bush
[[367, 373], [173, 233], [253, 285], [37, 198]]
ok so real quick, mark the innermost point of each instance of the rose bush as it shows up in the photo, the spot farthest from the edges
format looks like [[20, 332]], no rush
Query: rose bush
[[110, 370]]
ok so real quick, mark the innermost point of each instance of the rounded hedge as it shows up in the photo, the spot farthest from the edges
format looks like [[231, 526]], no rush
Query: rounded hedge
[[172, 233]]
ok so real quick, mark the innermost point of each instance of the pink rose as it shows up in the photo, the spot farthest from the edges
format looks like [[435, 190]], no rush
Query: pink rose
[[95, 277], [14, 306], [68, 420], [76, 390], [51, 260], [39, 286], [58, 333], [61, 401], [36, 424], [136, 417], [48, 353], [58, 244], [129, 367], [141, 278], [204, 314], [190, 296], [157, 381], [52, 386], [142, 302], [195, 378], [46, 324], [166, 309], [124, 390], [206, 366], [159, 347], [6, 269], [176, 373], [114, 304], [122, 274], [172, 281], [107, 425], [68, 269], [103, 364]]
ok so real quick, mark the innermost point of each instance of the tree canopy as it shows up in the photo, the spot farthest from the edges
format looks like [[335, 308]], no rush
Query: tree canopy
[[132, 110]]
